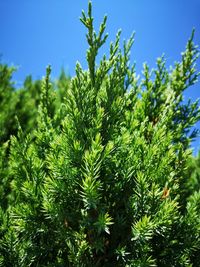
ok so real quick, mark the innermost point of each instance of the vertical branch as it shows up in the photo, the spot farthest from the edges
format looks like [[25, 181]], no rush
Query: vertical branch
[[95, 41]]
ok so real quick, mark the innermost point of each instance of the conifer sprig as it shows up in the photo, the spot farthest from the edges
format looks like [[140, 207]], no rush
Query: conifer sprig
[[95, 41]]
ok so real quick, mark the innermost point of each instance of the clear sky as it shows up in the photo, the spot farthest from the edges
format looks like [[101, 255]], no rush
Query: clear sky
[[34, 33]]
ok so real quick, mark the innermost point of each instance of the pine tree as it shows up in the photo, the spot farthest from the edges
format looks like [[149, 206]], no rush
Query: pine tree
[[102, 180]]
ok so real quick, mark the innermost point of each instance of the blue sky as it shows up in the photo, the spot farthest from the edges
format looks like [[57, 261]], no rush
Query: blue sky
[[34, 33]]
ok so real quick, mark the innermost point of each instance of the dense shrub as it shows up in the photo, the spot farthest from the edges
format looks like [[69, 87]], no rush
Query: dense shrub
[[97, 172]]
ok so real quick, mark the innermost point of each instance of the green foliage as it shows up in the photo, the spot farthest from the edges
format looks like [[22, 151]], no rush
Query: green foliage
[[7, 103], [97, 173]]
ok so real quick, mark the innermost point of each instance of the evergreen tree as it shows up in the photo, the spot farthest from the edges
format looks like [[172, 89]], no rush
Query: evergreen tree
[[102, 180]]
